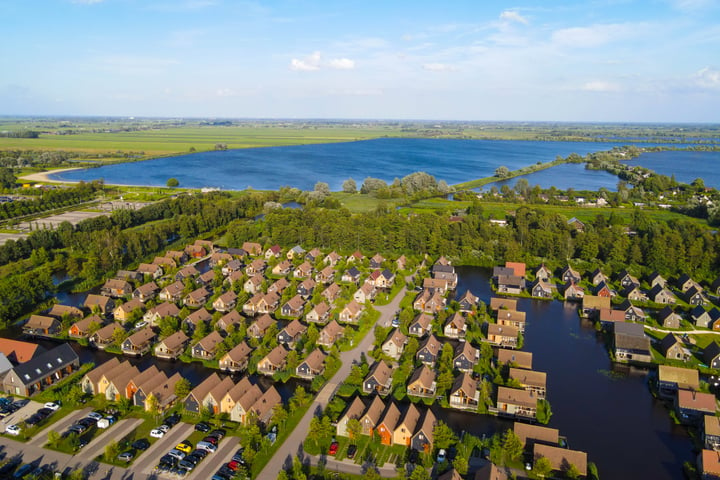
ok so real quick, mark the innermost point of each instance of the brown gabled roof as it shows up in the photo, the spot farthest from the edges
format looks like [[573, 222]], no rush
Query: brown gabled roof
[[145, 375], [465, 383], [84, 324], [237, 391], [264, 405], [424, 376], [201, 391], [381, 372], [423, 320], [165, 391], [175, 340], [332, 290], [561, 458], [529, 377], [427, 425], [391, 417], [121, 376], [457, 319], [117, 284], [521, 359], [490, 471], [277, 355], [432, 344], [592, 301], [515, 396], [294, 328], [166, 309], [511, 316], [296, 302], [333, 329], [211, 341], [231, 318], [175, 254], [147, 288], [239, 352], [264, 321], [219, 391], [131, 305], [612, 315], [141, 336], [712, 425], [200, 315], [280, 285], [149, 268], [502, 330], [467, 349], [316, 359], [96, 373], [199, 294], [58, 311], [174, 288], [397, 337], [41, 321], [410, 418], [684, 377], [321, 308], [107, 331], [355, 410], [375, 410], [252, 248], [250, 397], [227, 297], [353, 307], [497, 303], [451, 474], [536, 433], [208, 276]]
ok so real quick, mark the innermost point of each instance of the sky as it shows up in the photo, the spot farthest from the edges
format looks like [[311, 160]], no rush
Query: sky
[[476, 60]]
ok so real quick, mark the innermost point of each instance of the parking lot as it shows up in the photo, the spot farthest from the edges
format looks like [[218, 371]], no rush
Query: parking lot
[[20, 415]]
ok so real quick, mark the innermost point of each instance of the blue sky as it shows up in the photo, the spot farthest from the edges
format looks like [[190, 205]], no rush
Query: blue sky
[[604, 60]]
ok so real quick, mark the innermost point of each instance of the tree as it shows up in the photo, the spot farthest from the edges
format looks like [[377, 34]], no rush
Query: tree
[[182, 388], [279, 415], [444, 436], [173, 182], [461, 464], [53, 438], [572, 471], [542, 467], [78, 474], [349, 186], [544, 412], [502, 172], [419, 473], [354, 428], [112, 450], [152, 404], [512, 446], [322, 188]]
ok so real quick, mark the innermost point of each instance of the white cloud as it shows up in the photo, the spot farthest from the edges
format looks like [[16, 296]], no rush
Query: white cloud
[[308, 64], [600, 86], [314, 62], [341, 64], [595, 35], [513, 16], [439, 67], [708, 77]]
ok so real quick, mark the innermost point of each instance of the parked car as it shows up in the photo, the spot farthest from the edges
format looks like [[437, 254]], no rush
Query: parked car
[[212, 440], [441, 456], [52, 405], [207, 446], [177, 454], [333, 448], [95, 415], [126, 456], [352, 449], [172, 420], [238, 457], [218, 433], [185, 447], [20, 403], [141, 444], [202, 427], [13, 429], [395, 322], [157, 433], [23, 470]]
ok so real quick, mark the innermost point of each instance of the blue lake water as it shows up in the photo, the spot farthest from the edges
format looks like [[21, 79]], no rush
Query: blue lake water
[[564, 176], [687, 166], [269, 168]]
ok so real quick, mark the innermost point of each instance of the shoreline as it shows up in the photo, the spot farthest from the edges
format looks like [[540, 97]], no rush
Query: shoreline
[[45, 176]]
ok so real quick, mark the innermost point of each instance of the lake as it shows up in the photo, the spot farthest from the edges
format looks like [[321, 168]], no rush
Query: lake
[[686, 166], [454, 161], [564, 176]]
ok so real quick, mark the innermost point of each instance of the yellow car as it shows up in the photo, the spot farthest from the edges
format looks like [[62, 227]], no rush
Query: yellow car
[[185, 447]]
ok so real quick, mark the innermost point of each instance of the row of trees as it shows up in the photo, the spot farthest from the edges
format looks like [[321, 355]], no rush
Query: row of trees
[[46, 199]]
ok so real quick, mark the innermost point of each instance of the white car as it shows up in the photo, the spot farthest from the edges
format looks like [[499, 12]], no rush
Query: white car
[[12, 430], [52, 405], [140, 325], [157, 433], [95, 416]]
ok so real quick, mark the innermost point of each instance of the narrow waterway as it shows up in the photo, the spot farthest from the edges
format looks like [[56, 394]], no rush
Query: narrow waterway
[[603, 409]]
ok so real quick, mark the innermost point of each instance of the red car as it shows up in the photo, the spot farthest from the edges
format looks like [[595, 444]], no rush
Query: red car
[[333, 448], [233, 465]]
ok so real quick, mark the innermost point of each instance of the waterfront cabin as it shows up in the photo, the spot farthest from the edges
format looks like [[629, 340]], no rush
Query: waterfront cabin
[[455, 326], [312, 366], [673, 349], [116, 287], [292, 333], [691, 406], [146, 292], [422, 383], [99, 304], [394, 344], [236, 360], [379, 379], [631, 344], [40, 325], [173, 346], [464, 393], [332, 333], [514, 358], [505, 336], [561, 458], [672, 379], [668, 318], [429, 351], [206, 347], [138, 343], [422, 440], [516, 403], [530, 380], [273, 362]]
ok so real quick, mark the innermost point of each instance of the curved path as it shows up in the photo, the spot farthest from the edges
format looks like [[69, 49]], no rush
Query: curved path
[[292, 446]]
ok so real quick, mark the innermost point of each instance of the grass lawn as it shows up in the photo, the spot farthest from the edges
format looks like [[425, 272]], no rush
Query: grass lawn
[[361, 203]]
